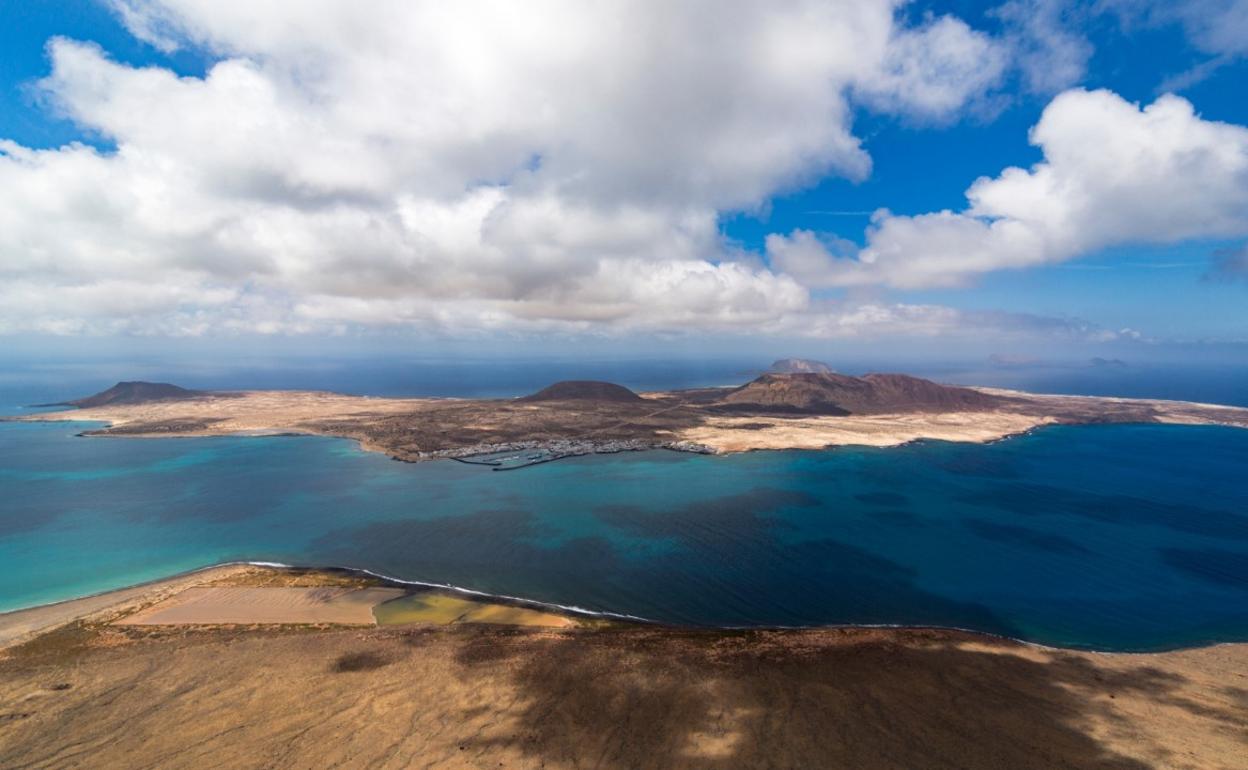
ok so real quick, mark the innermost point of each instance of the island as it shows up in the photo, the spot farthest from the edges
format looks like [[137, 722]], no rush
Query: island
[[789, 410]]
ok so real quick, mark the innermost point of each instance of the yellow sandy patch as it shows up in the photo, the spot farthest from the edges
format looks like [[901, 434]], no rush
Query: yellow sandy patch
[[444, 609]]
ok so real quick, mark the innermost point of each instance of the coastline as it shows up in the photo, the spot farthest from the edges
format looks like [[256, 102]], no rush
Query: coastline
[[1011, 621], [20, 625], [113, 693], [421, 429]]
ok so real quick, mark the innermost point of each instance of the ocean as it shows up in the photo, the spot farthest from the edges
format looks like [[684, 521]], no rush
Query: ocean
[[1118, 537], [26, 381]]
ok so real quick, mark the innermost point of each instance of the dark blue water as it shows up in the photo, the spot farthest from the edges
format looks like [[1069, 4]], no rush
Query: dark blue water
[[1110, 537]]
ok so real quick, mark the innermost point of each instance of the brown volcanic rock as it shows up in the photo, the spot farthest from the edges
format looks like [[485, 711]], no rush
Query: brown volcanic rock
[[838, 394], [136, 392], [583, 390], [920, 395], [800, 393]]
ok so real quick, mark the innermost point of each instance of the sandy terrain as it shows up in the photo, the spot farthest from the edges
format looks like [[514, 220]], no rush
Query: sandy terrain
[[204, 605], [20, 625], [737, 434], [482, 697], [443, 609], [246, 594], [255, 411], [94, 694]]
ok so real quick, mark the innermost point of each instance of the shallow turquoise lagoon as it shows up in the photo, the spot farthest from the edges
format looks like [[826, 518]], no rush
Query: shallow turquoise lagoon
[[1123, 537]]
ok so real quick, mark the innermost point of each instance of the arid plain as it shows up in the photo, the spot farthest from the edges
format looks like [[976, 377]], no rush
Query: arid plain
[[89, 688]]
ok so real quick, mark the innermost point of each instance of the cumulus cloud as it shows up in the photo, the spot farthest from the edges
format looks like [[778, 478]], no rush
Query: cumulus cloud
[[1113, 173], [466, 165], [932, 71]]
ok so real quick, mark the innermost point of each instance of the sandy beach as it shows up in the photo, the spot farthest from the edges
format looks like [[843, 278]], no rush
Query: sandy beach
[[89, 691], [20, 625]]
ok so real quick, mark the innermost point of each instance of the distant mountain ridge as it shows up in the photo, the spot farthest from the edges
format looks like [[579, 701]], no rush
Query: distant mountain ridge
[[799, 366], [839, 394], [583, 390], [133, 392]]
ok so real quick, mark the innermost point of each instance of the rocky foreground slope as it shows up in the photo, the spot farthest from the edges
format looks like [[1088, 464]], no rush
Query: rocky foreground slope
[[95, 691]]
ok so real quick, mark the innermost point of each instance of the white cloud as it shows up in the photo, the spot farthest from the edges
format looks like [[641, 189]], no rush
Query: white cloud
[[933, 71], [1217, 26], [809, 257], [1049, 47], [470, 164], [1112, 174]]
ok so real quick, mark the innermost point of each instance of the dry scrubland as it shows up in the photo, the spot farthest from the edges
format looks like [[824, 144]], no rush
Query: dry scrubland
[[94, 692]]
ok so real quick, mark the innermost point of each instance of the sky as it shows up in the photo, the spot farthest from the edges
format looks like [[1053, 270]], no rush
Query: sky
[[1034, 177]]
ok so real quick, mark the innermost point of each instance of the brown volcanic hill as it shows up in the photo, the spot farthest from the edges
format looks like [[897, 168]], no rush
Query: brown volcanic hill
[[922, 395], [839, 394], [799, 366], [583, 390], [134, 393]]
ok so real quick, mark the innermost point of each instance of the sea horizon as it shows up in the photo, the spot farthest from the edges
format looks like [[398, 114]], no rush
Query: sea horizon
[[29, 381]]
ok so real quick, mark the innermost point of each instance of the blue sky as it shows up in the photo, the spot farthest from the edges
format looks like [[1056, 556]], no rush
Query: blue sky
[[332, 187]]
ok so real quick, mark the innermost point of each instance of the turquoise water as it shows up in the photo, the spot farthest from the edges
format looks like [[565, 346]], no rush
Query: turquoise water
[[1123, 537]]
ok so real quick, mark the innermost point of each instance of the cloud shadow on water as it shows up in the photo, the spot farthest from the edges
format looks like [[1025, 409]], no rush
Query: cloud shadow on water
[[1228, 569], [730, 565], [1023, 536], [1044, 500], [890, 499]]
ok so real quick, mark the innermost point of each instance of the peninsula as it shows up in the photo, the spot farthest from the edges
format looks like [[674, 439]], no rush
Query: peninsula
[[802, 410]]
